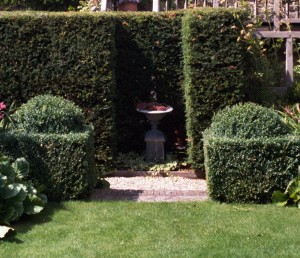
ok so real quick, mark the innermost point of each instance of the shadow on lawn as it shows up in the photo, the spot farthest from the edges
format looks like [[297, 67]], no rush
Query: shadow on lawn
[[116, 195], [27, 222]]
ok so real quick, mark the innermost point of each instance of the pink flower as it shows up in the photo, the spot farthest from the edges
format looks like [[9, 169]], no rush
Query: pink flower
[[2, 106], [1, 116]]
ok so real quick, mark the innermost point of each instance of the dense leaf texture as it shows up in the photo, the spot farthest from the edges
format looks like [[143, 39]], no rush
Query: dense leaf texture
[[70, 55], [243, 160], [214, 77], [86, 57], [149, 58], [17, 196], [49, 114], [63, 163], [248, 121]]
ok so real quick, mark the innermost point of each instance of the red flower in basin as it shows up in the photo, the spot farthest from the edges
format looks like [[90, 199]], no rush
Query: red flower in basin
[[152, 106]]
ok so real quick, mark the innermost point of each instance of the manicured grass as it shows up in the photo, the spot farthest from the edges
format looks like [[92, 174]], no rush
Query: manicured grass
[[127, 229]]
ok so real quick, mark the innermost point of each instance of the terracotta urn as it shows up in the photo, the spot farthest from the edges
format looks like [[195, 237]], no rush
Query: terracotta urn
[[128, 7]]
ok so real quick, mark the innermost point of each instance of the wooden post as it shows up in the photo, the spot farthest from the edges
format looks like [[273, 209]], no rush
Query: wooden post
[[255, 8], [176, 4], [216, 3], [155, 7], [276, 16], [289, 63], [104, 5]]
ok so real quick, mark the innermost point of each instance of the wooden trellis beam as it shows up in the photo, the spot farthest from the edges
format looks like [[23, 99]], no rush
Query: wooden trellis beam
[[277, 34], [289, 59]]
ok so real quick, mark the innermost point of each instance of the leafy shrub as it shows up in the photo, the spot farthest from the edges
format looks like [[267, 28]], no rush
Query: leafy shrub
[[17, 195], [248, 121], [248, 154], [49, 114], [63, 163], [291, 117], [46, 5], [63, 54], [214, 70], [291, 196], [49, 132], [6, 119]]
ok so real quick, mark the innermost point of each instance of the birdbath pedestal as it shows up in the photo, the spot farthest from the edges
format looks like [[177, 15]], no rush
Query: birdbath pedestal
[[155, 138]]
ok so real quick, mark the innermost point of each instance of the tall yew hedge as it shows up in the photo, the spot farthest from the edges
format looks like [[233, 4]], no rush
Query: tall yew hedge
[[71, 55], [214, 71], [106, 63], [149, 58]]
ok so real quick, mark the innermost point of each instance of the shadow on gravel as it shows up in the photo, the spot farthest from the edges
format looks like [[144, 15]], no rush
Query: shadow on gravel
[[116, 195]]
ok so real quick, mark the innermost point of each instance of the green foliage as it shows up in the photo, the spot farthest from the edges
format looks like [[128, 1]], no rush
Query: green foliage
[[265, 56], [74, 55], [291, 117], [45, 5], [249, 170], [49, 114], [134, 162], [17, 195], [63, 163], [6, 120], [291, 196], [149, 58], [214, 70], [205, 229], [248, 154], [248, 121], [63, 54]]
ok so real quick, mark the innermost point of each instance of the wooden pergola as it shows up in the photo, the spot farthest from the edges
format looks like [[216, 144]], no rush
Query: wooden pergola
[[280, 13]]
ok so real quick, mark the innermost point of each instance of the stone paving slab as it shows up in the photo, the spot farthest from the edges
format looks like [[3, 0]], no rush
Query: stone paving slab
[[148, 195]]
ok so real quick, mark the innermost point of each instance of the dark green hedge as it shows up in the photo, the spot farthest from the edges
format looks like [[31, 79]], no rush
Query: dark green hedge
[[105, 63], [48, 114], [63, 163], [71, 55], [248, 121], [40, 5], [249, 170], [149, 58], [214, 71]]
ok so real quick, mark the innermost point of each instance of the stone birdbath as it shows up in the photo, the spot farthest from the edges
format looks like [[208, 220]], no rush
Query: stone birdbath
[[154, 138]]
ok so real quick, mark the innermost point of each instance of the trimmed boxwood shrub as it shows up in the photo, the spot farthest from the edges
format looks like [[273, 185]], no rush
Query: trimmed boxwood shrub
[[244, 162], [49, 132], [248, 120], [63, 163], [49, 114], [214, 70]]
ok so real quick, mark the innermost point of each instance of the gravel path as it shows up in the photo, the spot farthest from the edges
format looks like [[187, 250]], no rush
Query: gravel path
[[156, 183], [152, 189]]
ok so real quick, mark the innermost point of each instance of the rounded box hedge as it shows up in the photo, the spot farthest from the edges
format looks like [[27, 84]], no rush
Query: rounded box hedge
[[50, 133], [249, 153]]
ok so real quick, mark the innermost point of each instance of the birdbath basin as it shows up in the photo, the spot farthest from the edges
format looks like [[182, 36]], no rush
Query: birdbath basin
[[154, 138]]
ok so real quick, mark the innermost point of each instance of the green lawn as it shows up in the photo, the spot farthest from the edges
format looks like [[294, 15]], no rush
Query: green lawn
[[128, 229]]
